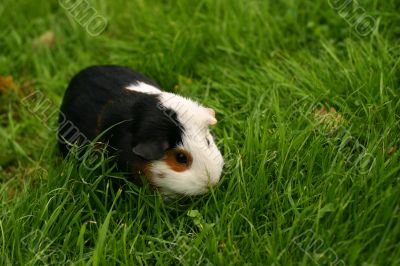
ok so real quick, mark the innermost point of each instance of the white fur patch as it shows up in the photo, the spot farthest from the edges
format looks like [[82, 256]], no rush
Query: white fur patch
[[144, 88], [208, 162], [190, 113]]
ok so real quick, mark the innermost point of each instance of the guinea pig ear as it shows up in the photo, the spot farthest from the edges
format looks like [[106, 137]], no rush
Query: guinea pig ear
[[211, 120], [151, 150]]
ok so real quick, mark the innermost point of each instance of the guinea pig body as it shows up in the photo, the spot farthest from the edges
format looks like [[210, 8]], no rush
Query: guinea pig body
[[160, 134]]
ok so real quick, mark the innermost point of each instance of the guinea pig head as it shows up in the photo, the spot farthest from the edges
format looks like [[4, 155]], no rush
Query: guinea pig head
[[190, 163]]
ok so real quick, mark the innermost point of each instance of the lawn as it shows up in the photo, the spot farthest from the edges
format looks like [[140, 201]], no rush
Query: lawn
[[307, 99]]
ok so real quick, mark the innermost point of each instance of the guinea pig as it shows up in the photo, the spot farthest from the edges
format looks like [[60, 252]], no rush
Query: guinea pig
[[159, 134]]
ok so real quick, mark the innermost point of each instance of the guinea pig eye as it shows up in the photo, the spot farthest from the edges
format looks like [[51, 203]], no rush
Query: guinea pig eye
[[208, 141], [178, 159], [181, 158]]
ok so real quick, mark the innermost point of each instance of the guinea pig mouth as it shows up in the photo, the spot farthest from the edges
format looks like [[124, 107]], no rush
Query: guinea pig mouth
[[161, 182], [196, 192]]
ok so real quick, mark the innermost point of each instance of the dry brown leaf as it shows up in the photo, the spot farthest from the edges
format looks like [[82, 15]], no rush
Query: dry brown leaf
[[7, 84], [47, 39], [330, 118]]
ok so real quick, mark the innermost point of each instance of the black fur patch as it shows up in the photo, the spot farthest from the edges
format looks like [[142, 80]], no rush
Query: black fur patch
[[96, 99]]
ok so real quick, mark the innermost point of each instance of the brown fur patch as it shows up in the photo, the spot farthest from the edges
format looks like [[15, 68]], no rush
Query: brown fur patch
[[142, 168], [170, 160]]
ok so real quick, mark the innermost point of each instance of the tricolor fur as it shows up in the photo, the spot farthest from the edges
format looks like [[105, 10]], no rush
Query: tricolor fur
[[161, 134]]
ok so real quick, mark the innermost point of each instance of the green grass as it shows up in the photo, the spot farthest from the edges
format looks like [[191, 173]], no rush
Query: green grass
[[298, 187]]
